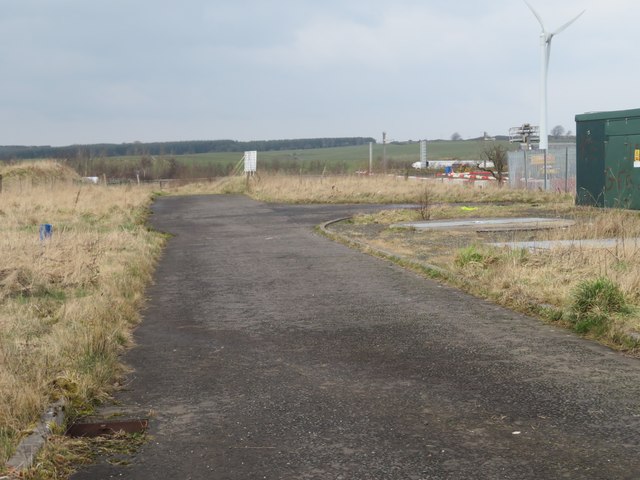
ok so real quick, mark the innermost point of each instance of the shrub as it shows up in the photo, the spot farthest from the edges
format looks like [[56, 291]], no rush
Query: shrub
[[594, 303], [598, 296]]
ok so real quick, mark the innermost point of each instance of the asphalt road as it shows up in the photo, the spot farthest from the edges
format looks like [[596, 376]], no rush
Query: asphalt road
[[269, 352]]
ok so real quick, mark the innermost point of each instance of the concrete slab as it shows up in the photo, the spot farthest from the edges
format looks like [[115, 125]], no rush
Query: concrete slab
[[549, 244], [491, 224]]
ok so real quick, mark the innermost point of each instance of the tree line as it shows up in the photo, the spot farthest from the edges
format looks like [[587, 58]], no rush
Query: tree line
[[16, 152]]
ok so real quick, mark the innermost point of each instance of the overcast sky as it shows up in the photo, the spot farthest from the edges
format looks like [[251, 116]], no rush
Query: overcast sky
[[79, 71]]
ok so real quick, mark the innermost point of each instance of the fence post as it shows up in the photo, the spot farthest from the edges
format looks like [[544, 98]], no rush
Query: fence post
[[545, 170], [566, 170], [0, 183], [526, 179]]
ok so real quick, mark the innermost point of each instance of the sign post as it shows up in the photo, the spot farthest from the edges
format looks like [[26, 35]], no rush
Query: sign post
[[250, 162]]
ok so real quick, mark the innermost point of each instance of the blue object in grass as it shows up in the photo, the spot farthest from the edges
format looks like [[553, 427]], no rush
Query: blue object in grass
[[46, 231]]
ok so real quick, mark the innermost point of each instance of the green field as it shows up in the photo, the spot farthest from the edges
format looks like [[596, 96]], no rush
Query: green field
[[306, 161], [358, 155]]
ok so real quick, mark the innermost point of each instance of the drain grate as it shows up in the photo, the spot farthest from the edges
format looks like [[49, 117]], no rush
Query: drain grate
[[99, 429]]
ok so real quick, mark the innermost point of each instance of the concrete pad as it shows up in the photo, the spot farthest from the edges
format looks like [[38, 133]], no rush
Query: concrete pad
[[491, 224], [549, 244]]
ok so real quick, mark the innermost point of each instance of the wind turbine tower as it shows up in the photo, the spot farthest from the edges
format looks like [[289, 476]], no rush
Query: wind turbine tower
[[545, 44]]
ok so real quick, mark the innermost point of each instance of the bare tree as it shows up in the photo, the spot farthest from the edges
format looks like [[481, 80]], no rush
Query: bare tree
[[557, 131], [499, 157], [455, 136], [425, 200], [146, 162]]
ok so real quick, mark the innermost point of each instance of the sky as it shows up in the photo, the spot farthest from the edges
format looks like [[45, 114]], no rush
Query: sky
[[114, 71]]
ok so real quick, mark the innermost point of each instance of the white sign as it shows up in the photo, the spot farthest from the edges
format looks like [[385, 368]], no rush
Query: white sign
[[250, 161]]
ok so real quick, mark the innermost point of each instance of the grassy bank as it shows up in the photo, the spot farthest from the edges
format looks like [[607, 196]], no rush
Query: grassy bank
[[68, 303]]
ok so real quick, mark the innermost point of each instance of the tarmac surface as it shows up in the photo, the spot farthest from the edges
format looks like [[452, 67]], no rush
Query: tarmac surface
[[269, 352]]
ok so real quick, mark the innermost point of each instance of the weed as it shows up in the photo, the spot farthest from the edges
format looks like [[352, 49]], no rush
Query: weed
[[595, 303], [596, 298], [425, 202], [7, 441], [469, 255], [62, 456], [550, 313], [595, 323]]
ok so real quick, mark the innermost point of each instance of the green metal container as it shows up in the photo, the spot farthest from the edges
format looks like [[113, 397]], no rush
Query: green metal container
[[608, 159]]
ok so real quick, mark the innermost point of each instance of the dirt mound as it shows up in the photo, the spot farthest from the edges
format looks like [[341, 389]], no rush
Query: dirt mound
[[39, 172]]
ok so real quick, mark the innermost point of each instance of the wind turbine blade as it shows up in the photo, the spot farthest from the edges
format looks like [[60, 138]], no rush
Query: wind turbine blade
[[563, 27], [536, 14]]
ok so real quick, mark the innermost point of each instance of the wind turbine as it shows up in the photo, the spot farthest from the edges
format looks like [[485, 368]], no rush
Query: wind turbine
[[545, 43]]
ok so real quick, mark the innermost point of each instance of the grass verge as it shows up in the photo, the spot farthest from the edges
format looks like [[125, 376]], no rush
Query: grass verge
[[67, 303]]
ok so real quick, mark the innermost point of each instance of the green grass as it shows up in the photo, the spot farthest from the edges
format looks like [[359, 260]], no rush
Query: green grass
[[472, 255], [594, 303], [316, 161]]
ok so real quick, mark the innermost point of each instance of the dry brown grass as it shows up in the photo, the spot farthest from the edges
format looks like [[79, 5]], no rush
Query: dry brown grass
[[379, 189], [24, 175], [360, 189], [528, 281], [225, 185], [67, 304]]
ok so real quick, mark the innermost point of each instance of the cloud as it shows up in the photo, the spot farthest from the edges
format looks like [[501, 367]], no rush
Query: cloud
[[398, 37], [80, 71]]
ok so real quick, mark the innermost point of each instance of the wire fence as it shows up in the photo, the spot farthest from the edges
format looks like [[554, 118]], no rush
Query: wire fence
[[553, 170]]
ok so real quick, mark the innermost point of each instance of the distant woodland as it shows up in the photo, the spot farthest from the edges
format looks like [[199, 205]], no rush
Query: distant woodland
[[173, 148]]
